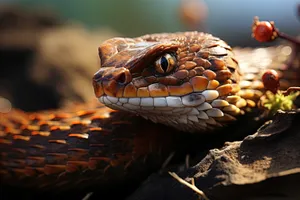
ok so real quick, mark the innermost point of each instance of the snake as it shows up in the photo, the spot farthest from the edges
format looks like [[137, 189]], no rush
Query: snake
[[149, 89]]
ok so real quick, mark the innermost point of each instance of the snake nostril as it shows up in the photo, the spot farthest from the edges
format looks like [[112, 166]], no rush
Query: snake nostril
[[123, 78]]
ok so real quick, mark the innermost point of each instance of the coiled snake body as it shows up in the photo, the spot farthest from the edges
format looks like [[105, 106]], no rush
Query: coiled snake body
[[190, 81]]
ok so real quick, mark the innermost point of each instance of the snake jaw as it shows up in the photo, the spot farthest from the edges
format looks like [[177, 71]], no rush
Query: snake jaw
[[193, 112]]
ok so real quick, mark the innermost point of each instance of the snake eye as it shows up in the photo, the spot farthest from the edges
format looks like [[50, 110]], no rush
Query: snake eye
[[165, 63]]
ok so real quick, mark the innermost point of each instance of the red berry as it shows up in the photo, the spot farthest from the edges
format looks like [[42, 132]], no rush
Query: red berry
[[263, 31], [271, 80]]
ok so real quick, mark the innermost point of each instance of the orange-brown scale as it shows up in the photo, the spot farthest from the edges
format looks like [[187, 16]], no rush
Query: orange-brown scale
[[197, 54], [85, 145]]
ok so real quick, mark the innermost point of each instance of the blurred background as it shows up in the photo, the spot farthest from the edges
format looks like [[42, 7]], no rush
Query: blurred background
[[230, 19], [48, 48]]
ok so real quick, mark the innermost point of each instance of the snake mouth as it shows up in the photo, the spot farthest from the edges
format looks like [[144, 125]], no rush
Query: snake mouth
[[197, 109], [148, 103]]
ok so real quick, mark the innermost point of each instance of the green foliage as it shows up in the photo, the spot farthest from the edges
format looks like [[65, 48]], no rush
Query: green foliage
[[278, 101]]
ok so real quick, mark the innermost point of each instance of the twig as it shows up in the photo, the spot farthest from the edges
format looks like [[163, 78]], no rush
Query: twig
[[168, 160], [87, 196], [290, 89], [192, 186]]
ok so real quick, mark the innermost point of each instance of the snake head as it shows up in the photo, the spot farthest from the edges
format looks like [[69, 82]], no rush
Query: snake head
[[184, 80]]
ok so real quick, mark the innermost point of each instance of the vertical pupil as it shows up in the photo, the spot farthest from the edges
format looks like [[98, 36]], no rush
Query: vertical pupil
[[164, 63]]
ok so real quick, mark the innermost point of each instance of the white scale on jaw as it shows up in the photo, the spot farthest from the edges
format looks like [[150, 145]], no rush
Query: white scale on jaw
[[195, 109]]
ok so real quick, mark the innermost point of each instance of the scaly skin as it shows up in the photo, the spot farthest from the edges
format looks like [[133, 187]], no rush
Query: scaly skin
[[92, 143], [191, 81]]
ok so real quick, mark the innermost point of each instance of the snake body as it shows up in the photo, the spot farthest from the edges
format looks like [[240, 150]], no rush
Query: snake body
[[191, 81]]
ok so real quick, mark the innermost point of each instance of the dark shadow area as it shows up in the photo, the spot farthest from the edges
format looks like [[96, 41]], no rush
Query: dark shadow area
[[16, 85]]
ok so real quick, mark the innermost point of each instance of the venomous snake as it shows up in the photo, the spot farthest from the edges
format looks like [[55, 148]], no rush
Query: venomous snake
[[190, 81]]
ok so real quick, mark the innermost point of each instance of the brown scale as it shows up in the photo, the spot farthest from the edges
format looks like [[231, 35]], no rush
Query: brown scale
[[202, 62], [82, 147], [197, 55]]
